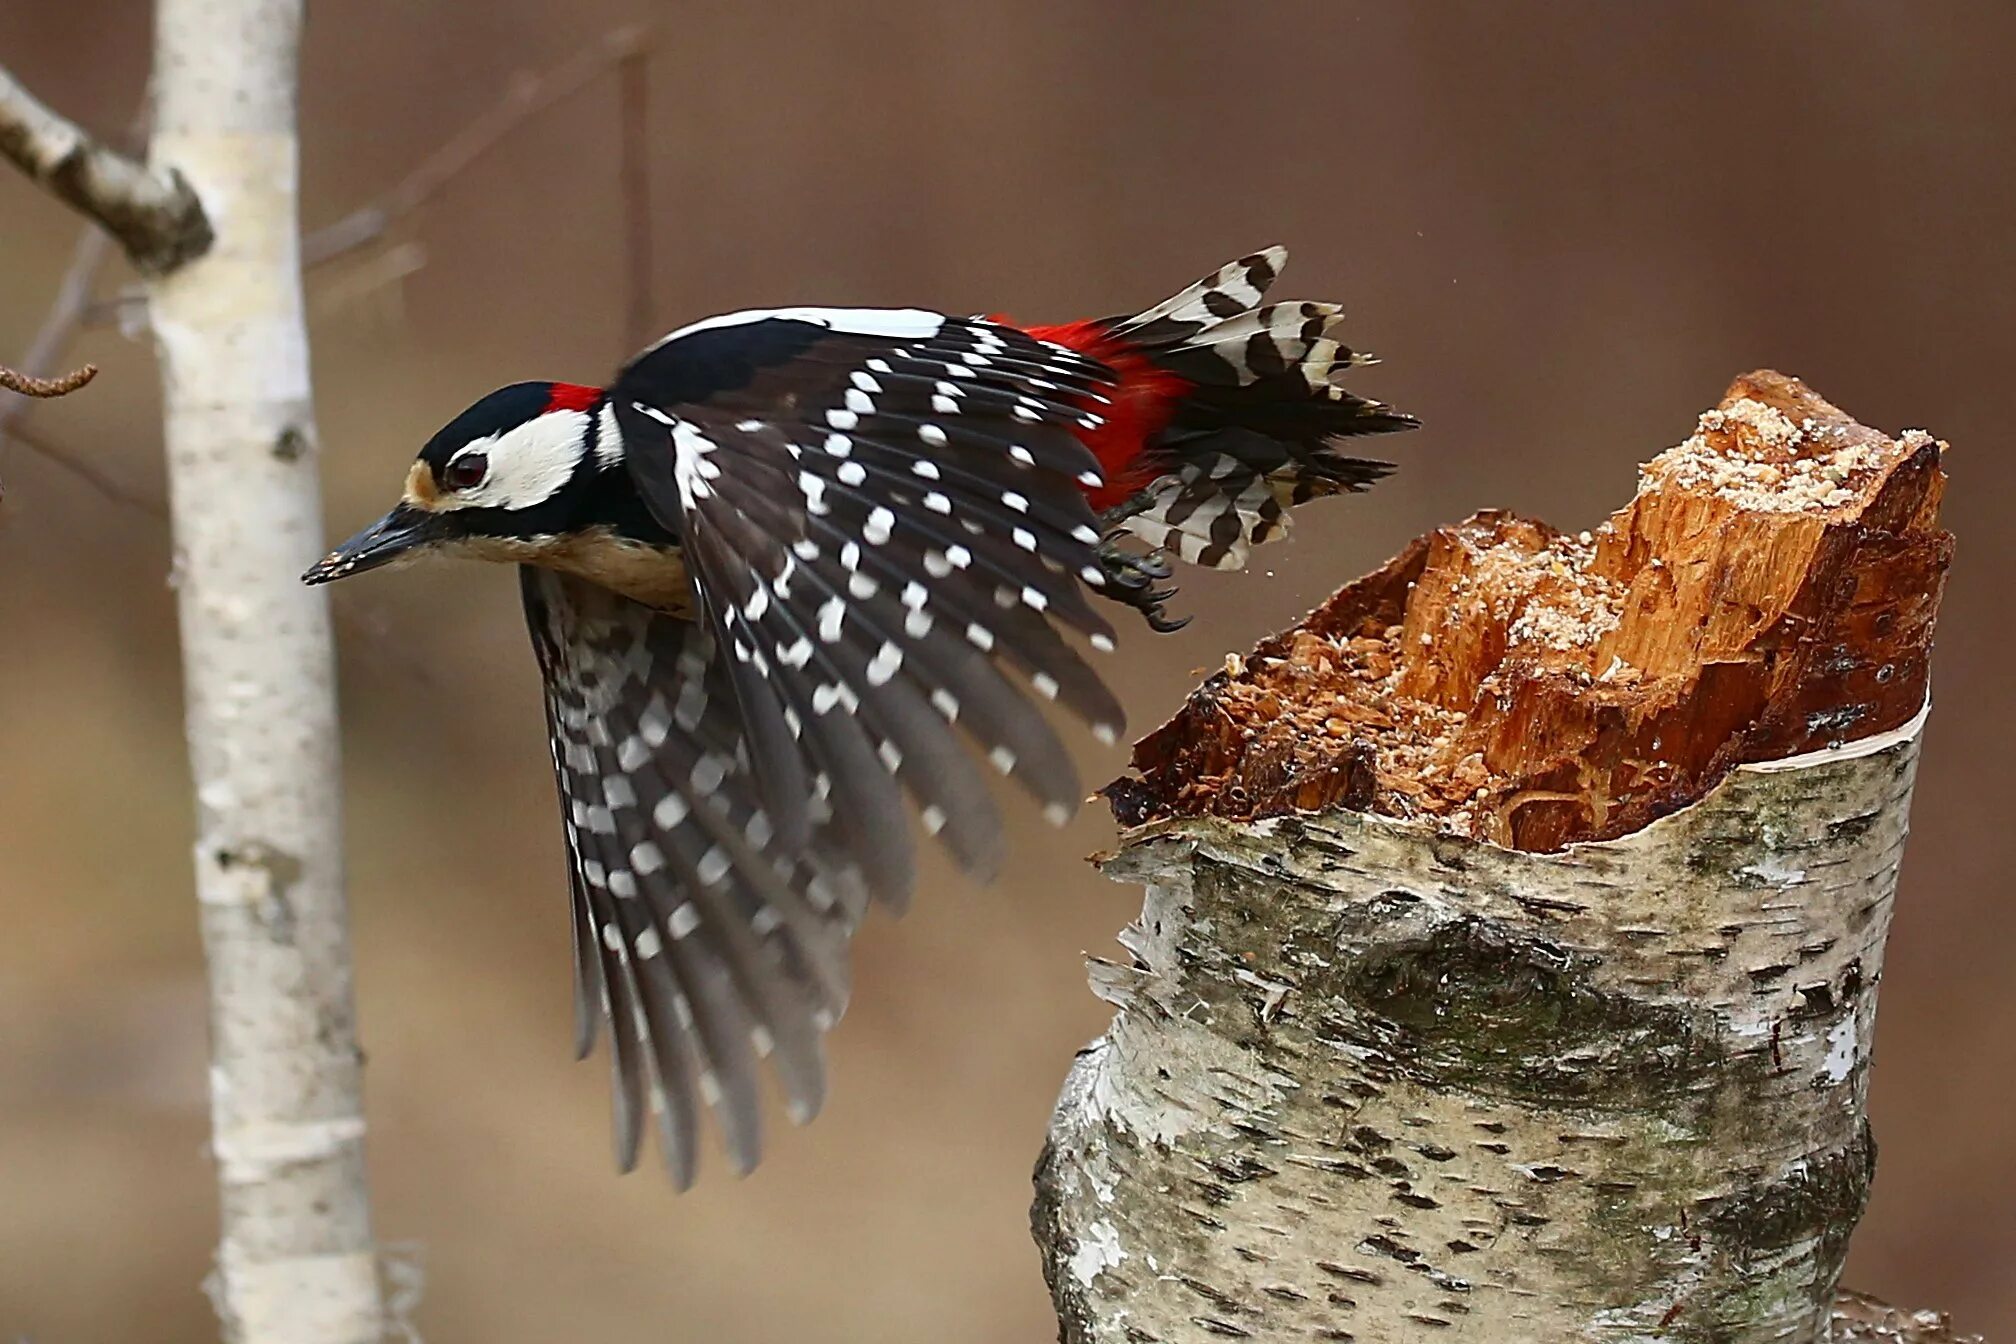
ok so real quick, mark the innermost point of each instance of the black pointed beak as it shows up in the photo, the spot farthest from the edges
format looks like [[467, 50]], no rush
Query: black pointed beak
[[399, 533]]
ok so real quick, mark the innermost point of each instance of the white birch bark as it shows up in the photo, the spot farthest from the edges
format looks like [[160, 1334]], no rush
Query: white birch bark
[[1371, 1083], [296, 1263]]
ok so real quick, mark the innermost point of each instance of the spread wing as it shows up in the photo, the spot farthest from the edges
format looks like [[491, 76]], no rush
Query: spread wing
[[883, 513], [706, 943]]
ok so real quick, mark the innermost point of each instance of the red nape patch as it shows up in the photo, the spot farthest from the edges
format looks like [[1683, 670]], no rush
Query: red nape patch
[[1143, 403], [571, 397]]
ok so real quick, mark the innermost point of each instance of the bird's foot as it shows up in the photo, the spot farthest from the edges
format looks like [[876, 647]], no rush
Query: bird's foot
[[1131, 579]]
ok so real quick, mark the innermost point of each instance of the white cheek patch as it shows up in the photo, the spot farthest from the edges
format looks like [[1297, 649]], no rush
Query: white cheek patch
[[528, 465]]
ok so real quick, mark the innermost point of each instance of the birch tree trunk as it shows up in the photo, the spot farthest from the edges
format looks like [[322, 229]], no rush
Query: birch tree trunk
[[1508, 965], [296, 1262]]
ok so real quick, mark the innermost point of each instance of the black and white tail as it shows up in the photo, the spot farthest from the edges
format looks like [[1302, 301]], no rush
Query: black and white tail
[[1259, 430]]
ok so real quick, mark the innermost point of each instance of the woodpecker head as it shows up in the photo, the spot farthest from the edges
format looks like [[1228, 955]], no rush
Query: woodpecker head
[[529, 468]]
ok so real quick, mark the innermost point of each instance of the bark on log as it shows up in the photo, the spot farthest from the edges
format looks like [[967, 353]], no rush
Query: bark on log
[[1513, 925]]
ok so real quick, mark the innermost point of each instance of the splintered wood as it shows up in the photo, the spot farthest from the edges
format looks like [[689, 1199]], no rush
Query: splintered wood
[[1771, 590]]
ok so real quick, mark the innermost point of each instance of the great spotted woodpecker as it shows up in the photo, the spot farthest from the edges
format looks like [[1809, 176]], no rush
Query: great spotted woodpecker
[[776, 571]]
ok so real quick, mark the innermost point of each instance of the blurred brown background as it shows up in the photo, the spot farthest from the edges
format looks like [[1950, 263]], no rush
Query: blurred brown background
[[1565, 226]]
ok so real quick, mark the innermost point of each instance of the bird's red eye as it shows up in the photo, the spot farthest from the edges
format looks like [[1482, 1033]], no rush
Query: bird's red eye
[[467, 471]]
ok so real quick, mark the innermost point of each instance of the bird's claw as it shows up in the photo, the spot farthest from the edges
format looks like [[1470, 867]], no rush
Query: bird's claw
[[1131, 578], [1127, 569]]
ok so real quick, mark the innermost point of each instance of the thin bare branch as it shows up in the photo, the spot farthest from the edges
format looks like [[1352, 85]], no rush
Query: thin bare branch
[[527, 95], [28, 385], [156, 218], [635, 180]]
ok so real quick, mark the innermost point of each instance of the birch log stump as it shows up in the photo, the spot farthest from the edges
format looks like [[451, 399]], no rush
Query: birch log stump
[[1513, 927]]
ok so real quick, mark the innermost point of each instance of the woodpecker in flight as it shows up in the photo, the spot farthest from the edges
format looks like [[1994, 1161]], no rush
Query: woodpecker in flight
[[795, 564]]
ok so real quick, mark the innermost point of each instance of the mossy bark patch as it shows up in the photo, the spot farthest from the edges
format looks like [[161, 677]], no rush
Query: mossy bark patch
[[1472, 1005]]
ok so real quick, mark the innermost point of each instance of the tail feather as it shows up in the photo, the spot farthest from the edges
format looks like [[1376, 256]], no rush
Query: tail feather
[[1214, 508], [1256, 431], [1234, 288], [1304, 338], [1210, 513]]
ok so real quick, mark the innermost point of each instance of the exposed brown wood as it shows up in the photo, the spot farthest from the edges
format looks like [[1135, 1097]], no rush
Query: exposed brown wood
[[1771, 589], [1864, 1320]]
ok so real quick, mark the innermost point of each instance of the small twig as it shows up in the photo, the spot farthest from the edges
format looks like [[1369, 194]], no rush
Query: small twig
[[82, 468], [73, 293], [635, 181], [28, 385], [66, 314], [156, 218]]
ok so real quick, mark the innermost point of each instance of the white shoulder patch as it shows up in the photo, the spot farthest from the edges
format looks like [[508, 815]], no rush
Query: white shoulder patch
[[901, 324], [608, 438]]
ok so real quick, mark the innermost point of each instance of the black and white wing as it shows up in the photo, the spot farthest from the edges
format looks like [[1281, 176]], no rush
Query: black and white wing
[[883, 513], [706, 943]]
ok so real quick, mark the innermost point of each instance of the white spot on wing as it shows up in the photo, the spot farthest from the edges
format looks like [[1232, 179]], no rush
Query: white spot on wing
[[689, 451], [884, 664]]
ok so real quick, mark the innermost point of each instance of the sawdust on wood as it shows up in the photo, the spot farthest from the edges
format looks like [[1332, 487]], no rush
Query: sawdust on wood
[[1770, 590]]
